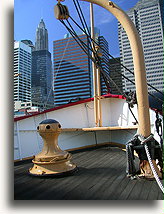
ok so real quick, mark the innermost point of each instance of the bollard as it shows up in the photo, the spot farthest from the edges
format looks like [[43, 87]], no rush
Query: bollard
[[51, 161]]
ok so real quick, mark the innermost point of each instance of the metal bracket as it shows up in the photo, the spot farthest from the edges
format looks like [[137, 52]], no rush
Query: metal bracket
[[145, 140]]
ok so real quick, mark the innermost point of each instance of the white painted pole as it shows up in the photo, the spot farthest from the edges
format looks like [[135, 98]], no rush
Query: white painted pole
[[139, 63]]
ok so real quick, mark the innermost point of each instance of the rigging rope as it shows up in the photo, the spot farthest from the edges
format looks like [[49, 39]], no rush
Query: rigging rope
[[107, 78], [97, 61], [75, 35], [51, 88], [94, 42], [153, 169]]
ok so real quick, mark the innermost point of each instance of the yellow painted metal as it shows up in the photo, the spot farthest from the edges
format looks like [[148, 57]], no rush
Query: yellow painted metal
[[110, 128], [104, 128], [95, 77], [139, 63], [99, 91], [51, 160]]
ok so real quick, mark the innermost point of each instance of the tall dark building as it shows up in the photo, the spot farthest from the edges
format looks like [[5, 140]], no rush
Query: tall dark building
[[41, 37], [115, 74], [41, 78], [105, 62], [73, 78]]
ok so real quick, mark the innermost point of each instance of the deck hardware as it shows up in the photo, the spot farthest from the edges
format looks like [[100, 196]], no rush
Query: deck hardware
[[138, 144], [61, 11], [111, 4], [51, 161]]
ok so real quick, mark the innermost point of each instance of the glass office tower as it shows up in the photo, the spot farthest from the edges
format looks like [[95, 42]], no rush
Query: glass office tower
[[22, 72], [147, 17], [73, 78], [41, 78]]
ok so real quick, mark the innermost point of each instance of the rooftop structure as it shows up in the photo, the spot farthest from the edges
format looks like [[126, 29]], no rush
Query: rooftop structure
[[41, 42]]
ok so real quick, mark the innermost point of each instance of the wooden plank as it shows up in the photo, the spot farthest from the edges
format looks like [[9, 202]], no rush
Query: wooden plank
[[145, 190], [111, 128], [79, 180], [71, 129], [154, 191], [105, 182], [100, 128], [135, 193], [126, 192], [115, 170], [101, 175], [98, 175], [33, 189]]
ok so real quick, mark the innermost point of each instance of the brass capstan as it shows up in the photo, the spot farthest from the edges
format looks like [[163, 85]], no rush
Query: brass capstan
[[51, 160]]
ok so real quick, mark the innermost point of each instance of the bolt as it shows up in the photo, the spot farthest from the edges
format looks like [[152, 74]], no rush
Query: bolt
[[111, 4]]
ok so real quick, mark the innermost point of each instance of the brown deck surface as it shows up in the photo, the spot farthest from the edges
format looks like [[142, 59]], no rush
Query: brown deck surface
[[101, 175]]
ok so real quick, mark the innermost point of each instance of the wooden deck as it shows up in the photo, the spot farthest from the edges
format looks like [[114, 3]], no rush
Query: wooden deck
[[101, 176]]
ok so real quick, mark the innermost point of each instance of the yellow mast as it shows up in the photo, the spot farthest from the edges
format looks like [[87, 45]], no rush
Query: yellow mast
[[139, 64], [96, 77]]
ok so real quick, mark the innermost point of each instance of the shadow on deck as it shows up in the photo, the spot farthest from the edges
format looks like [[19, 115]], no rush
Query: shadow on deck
[[101, 176]]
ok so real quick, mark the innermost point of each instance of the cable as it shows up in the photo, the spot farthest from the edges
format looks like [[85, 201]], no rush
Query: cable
[[119, 63], [80, 14], [111, 55], [73, 33], [97, 61], [75, 36], [57, 71]]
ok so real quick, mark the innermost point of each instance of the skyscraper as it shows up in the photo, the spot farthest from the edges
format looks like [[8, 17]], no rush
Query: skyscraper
[[115, 74], [147, 17], [41, 37], [73, 70], [105, 62], [29, 43], [22, 72], [41, 78]]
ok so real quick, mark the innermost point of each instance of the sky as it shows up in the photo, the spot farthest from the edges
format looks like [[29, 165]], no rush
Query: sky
[[28, 13]]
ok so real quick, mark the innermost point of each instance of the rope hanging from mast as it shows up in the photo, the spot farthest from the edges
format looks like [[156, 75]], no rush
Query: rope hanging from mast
[[65, 15], [137, 142]]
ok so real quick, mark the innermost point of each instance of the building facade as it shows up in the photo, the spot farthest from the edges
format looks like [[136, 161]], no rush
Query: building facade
[[41, 42], [73, 78], [115, 74], [105, 63], [41, 78], [147, 17], [22, 72], [29, 43]]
